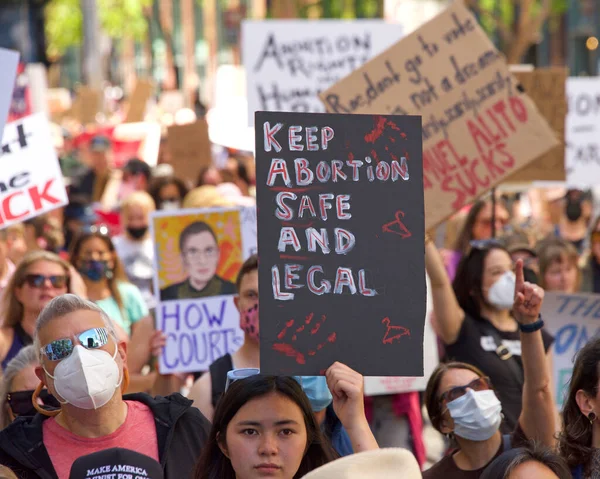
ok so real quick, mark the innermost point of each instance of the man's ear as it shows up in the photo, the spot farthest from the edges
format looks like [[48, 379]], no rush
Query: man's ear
[[222, 445], [39, 372], [236, 301], [122, 348]]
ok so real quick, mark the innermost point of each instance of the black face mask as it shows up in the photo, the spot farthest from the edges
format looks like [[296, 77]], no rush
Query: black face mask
[[137, 233], [573, 210], [530, 276]]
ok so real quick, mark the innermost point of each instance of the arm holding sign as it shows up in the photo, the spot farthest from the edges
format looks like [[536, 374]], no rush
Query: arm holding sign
[[539, 411], [449, 316], [347, 389]]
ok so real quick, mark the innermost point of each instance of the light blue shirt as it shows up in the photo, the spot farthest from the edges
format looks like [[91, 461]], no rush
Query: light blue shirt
[[134, 306]]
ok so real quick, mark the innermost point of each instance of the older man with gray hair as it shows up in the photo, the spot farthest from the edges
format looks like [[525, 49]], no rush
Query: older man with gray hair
[[84, 366]]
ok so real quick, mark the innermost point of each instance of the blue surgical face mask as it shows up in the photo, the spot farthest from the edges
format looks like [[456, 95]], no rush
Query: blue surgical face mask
[[95, 270], [315, 388]]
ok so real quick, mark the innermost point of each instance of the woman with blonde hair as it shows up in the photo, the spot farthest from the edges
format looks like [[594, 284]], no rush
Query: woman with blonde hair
[[559, 265], [39, 277], [135, 247], [17, 386]]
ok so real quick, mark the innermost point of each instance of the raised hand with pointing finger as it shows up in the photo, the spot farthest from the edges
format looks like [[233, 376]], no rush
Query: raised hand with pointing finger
[[528, 298]]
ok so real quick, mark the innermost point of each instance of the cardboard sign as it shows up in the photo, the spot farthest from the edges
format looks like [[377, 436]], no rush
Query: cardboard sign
[[138, 101], [31, 182], [376, 386], [583, 132], [9, 60], [341, 236], [288, 63], [86, 105], [190, 149], [547, 88], [477, 127], [196, 309], [573, 320]]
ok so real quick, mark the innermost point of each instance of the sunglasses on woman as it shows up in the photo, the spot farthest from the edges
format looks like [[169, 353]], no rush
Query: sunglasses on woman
[[39, 280], [243, 373], [21, 404], [479, 384], [60, 349]]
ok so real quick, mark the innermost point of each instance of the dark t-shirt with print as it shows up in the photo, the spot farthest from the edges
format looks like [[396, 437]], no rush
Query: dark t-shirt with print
[[475, 346], [446, 468]]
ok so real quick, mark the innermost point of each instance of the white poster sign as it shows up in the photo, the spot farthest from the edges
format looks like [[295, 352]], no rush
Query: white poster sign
[[9, 61], [198, 256], [582, 132], [375, 386], [573, 320], [31, 182], [288, 62]]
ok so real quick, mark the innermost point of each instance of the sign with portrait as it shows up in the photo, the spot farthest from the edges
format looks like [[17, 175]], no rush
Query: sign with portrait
[[198, 256]]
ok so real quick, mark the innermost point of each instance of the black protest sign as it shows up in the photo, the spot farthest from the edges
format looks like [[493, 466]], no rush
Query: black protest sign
[[340, 243]]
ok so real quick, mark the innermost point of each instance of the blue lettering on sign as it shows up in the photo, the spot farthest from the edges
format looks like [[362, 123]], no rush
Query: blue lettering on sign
[[579, 306], [196, 334], [572, 336]]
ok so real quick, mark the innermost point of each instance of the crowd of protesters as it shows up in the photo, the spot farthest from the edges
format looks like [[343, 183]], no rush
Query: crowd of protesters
[[80, 389]]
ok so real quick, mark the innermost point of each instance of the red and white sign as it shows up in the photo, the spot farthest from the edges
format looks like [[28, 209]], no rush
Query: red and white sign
[[31, 182]]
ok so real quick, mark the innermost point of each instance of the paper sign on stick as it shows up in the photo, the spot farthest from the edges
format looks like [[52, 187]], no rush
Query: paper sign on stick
[[341, 243], [198, 256], [289, 62], [573, 320], [190, 149], [9, 60], [137, 103], [547, 88], [86, 105], [582, 159], [32, 183], [477, 127]]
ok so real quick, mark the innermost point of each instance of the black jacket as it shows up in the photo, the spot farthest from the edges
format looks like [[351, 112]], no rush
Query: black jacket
[[181, 431]]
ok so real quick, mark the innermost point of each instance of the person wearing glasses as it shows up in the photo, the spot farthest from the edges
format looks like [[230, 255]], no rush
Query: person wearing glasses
[[264, 427], [18, 384], [475, 320], [462, 403], [84, 366], [199, 249], [39, 277]]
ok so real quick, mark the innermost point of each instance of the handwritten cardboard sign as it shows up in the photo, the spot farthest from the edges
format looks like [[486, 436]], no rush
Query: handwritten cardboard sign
[[9, 60], [341, 243], [376, 386], [582, 157], [196, 309], [573, 320], [289, 62], [547, 88], [31, 182], [477, 127], [86, 105], [138, 101], [190, 149]]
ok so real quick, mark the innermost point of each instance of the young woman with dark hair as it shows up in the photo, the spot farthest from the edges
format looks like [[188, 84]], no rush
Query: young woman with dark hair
[[579, 441], [474, 318], [531, 461], [462, 403], [264, 426]]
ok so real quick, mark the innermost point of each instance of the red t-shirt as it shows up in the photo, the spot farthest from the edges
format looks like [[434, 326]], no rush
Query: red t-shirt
[[137, 433]]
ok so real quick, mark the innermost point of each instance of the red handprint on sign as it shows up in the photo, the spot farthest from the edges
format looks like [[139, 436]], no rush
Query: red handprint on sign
[[289, 350], [393, 332]]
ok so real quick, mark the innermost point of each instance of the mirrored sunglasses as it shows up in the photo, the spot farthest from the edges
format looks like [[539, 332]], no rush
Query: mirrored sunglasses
[[21, 404], [243, 373], [39, 280], [479, 384], [62, 348]]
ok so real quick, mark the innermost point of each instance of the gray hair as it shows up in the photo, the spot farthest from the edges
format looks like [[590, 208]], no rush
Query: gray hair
[[27, 356], [66, 304]]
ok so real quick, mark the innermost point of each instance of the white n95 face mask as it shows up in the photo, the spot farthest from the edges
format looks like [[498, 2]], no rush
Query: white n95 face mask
[[87, 379], [502, 293], [477, 415]]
